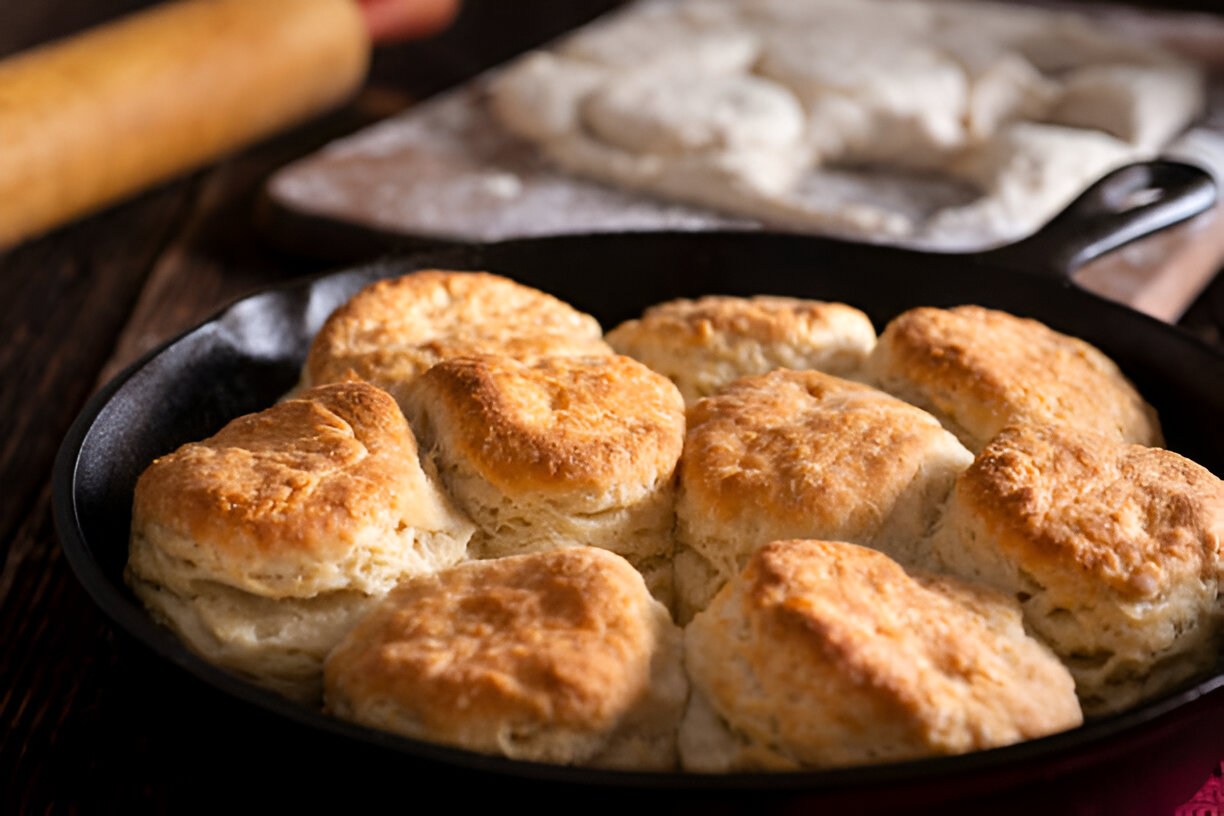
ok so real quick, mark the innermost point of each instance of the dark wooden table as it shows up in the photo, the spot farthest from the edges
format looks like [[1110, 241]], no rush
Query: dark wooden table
[[89, 721]]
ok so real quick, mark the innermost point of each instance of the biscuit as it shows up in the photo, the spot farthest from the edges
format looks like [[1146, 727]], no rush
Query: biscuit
[[978, 370], [1029, 171], [704, 344], [825, 654], [1113, 550], [649, 114], [557, 453], [872, 95], [558, 657], [801, 454], [1145, 105], [261, 545], [393, 330]]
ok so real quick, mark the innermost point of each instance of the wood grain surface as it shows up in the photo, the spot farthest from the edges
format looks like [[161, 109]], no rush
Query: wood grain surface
[[90, 722]]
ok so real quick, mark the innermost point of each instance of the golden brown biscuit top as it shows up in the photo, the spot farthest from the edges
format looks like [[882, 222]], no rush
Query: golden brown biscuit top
[[293, 483], [793, 442], [1013, 369], [1071, 505], [943, 663], [563, 637], [766, 319], [573, 423], [392, 330], [859, 611]]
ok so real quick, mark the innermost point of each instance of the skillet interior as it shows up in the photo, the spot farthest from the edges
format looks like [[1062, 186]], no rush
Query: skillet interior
[[249, 354]]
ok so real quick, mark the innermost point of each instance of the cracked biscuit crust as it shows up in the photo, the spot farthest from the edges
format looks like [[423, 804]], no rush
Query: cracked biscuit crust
[[1113, 549], [262, 545], [542, 656], [705, 344], [393, 330], [800, 453], [569, 425], [824, 654], [978, 370], [311, 495]]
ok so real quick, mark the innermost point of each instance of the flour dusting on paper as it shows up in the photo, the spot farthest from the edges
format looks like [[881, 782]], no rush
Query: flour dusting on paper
[[938, 124]]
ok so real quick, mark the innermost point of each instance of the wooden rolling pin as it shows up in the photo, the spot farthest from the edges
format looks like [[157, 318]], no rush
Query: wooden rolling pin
[[88, 119]]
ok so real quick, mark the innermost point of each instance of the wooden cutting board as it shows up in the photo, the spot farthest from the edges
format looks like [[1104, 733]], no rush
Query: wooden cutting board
[[445, 171]]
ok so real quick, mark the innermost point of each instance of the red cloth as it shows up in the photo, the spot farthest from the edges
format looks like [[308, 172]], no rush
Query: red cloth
[[1209, 801]]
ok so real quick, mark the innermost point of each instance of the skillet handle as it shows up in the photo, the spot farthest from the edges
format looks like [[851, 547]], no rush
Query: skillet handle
[[1129, 203]]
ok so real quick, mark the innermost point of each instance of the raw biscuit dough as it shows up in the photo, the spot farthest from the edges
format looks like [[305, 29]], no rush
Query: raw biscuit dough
[[739, 105]]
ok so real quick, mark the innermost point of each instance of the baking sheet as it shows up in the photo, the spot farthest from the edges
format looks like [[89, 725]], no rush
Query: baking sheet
[[446, 170]]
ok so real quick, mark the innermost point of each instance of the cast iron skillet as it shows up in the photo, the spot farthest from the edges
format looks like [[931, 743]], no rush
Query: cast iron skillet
[[1153, 756]]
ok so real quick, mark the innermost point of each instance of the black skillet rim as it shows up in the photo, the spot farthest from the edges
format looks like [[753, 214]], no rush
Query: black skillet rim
[[123, 610]]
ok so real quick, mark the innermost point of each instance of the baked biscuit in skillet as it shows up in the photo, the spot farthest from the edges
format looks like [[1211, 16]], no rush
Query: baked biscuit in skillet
[[704, 344], [558, 657], [393, 330], [825, 654], [978, 369], [1114, 551], [801, 454], [260, 546], [562, 452]]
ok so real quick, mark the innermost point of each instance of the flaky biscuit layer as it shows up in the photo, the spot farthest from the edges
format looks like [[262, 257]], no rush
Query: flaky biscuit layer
[[1113, 549]]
